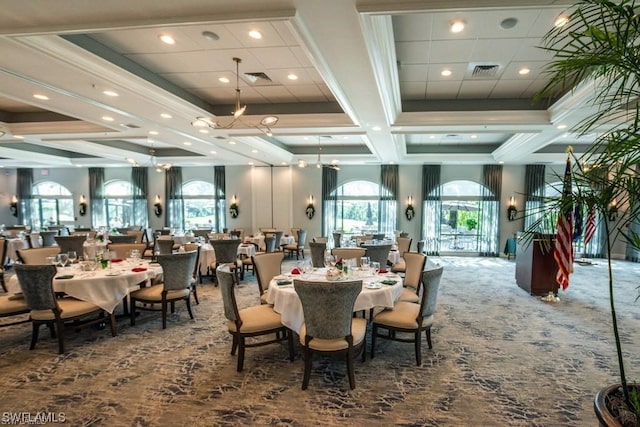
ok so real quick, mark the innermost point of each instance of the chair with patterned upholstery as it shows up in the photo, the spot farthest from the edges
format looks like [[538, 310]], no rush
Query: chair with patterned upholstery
[[267, 266], [196, 277], [226, 252], [164, 246], [250, 322], [278, 235], [123, 250], [71, 243], [298, 245], [122, 238], [177, 271], [37, 255], [407, 317], [317, 253], [48, 238], [329, 326], [337, 239], [378, 253], [138, 234], [415, 266], [36, 282]]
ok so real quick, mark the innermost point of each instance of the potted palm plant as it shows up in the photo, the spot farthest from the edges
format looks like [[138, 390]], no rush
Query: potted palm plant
[[598, 47]]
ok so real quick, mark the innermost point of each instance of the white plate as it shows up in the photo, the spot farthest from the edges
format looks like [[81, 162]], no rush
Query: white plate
[[373, 286], [113, 273]]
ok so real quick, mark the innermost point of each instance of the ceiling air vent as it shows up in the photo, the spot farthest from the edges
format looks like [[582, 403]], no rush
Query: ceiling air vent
[[254, 77], [485, 70], [130, 126]]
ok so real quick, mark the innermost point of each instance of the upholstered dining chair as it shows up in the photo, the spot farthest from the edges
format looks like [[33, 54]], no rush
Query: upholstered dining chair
[[122, 238], [266, 266], [123, 250], [37, 255], [137, 234], [36, 282], [337, 239], [196, 277], [415, 263], [226, 252], [254, 321], [13, 306], [410, 318], [329, 326], [404, 244], [3, 259], [349, 253], [270, 246], [278, 236], [48, 237], [165, 246], [298, 245], [71, 243], [378, 253], [177, 271], [317, 253]]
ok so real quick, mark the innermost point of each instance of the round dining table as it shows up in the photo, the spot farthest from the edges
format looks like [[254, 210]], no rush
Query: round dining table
[[380, 290]]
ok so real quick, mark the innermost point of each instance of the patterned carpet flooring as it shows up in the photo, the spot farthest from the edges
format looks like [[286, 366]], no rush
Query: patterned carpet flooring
[[500, 357]]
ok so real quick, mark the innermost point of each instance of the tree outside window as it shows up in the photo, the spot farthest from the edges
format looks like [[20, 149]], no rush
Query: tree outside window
[[52, 204]]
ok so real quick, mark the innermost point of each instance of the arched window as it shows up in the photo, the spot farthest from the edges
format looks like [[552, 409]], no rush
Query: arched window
[[199, 205], [52, 204], [358, 209], [118, 199]]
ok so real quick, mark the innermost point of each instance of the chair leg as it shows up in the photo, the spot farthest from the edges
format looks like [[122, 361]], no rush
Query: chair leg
[[364, 350], [352, 377], [418, 346], [164, 314], [4, 286], [52, 330], [428, 333], [240, 354], [34, 334], [307, 368], [112, 323], [234, 344], [132, 312], [189, 307], [194, 290], [60, 329]]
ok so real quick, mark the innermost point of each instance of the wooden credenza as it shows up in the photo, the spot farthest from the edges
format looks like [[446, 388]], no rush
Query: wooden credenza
[[535, 266]]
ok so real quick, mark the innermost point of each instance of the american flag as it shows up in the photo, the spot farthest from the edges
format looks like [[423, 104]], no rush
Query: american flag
[[563, 250], [590, 228]]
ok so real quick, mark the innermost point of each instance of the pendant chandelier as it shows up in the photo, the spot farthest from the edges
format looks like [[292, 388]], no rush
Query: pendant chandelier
[[264, 126], [153, 162]]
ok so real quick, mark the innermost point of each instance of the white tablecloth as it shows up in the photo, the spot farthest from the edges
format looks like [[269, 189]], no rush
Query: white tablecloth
[[13, 245], [208, 255], [104, 288], [92, 248], [259, 240], [285, 300]]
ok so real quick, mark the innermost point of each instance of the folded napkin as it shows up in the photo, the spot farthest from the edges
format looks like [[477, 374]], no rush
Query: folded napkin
[[393, 250], [138, 269], [67, 276], [389, 282], [383, 271], [295, 271], [283, 282], [116, 259]]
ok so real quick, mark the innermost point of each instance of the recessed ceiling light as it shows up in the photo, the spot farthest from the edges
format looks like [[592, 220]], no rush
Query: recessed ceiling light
[[457, 26], [501, 162], [292, 76], [18, 136], [153, 132], [508, 23], [204, 131], [255, 34], [250, 163], [561, 21], [213, 152], [561, 127], [107, 118], [284, 163], [223, 80], [232, 142], [210, 35], [167, 38], [78, 166], [166, 116], [524, 71], [187, 143], [446, 72], [432, 137], [376, 128], [474, 136], [110, 93], [40, 96], [254, 151]]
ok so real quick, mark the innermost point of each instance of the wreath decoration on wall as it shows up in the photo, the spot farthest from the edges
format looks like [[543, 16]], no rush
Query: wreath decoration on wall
[[234, 210], [409, 212], [311, 211]]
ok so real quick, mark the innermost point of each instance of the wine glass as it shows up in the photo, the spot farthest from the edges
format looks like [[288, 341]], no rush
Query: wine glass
[[72, 256], [329, 261], [365, 261], [62, 259], [375, 266]]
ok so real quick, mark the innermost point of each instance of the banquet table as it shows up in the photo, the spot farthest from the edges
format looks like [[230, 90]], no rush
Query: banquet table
[[13, 245], [285, 300], [208, 255], [103, 287], [259, 240]]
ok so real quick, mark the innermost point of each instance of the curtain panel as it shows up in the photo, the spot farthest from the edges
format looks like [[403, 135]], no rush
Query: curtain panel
[[329, 200], [219, 185], [432, 208], [533, 194], [388, 212], [96, 196], [25, 197], [173, 196], [140, 206], [490, 210]]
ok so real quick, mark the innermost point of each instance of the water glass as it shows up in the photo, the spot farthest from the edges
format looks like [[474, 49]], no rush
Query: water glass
[[375, 266], [365, 261], [329, 261], [62, 259], [72, 256]]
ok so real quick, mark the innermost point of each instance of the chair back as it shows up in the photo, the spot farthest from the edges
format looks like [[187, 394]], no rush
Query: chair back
[[267, 266], [71, 243], [302, 238], [378, 236], [3, 252], [404, 244], [320, 239], [378, 253], [202, 232], [37, 287], [226, 250], [122, 238], [217, 236], [165, 246], [349, 253], [123, 250], [192, 247], [62, 230], [279, 234], [227, 290], [431, 282], [138, 234], [177, 270], [270, 243], [421, 245], [337, 239], [317, 253], [235, 234], [415, 263], [35, 256], [328, 309], [48, 238], [294, 233], [164, 231]]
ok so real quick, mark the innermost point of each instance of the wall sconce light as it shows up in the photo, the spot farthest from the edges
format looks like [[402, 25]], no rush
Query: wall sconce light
[[311, 209], [83, 205], [409, 212], [512, 211], [613, 210], [14, 206], [157, 206], [234, 210]]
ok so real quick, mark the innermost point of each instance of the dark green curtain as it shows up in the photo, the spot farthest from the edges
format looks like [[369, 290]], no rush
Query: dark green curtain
[[219, 185], [24, 190], [329, 200], [140, 206], [489, 236], [431, 208], [173, 195], [96, 196], [388, 205], [533, 194]]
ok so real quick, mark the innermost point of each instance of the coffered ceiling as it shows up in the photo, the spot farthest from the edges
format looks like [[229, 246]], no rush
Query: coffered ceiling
[[360, 82]]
